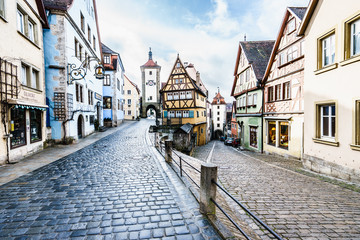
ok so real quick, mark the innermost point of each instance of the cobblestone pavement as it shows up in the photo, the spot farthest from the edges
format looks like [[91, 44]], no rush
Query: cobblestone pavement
[[294, 205], [112, 189]]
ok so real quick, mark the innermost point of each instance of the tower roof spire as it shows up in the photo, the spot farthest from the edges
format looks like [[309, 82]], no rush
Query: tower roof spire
[[150, 54]]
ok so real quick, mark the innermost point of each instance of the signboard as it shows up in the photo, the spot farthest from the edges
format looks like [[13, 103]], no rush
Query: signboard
[[98, 96]]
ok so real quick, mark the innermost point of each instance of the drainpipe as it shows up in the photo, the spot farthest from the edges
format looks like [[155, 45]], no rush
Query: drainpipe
[[262, 119]]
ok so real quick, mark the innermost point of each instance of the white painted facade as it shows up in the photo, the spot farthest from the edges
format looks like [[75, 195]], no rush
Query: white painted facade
[[218, 116], [151, 93]]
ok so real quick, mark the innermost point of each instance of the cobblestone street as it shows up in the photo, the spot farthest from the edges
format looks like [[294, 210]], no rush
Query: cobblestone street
[[112, 189], [294, 205]]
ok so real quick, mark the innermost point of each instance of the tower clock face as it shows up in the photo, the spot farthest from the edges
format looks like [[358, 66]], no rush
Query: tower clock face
[[151, 83]]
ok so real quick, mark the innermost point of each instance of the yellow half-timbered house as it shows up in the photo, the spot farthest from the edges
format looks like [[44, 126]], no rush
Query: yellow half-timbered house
[[184, 100]]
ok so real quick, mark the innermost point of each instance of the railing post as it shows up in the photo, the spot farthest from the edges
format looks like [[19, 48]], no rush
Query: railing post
[[207, 188], [180, 167], [168, 151], [156, 141]]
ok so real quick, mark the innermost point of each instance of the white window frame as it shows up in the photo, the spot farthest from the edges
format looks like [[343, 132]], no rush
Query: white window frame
[[171, 114], [107, 59], [330, 116], [178, 114], [328, 50], [176, 96], [291, 26], [355, 33], [182, 95], [188, 95], [20, 16], [186, 114], [255, 99], [169, 96]]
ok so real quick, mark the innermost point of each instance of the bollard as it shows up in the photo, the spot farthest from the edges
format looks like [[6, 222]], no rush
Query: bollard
[[168, 151], [156, 140], [207, 188]]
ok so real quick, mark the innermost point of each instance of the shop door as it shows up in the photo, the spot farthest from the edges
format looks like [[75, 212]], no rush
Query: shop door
[[80, 126]]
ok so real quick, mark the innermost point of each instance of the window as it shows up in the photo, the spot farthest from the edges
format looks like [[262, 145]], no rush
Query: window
[[31, 31], [182, 95], [79, 93], [328, 50], [20, 22], [357, 122], [107, 80], [118, 84], [129, 92], [247, 75], [171, 114], [197, 114], [80, 52], [241, 79], [218, 125], [118, 103], [272, 133], [25, 75], [30, 76], [284, 135], [169, 96], [92, 119], [18, 129], [218, 107], [249, 100], [107, 59], [286, 90], [35, 79], [218, 119], [150, 72], [185, 114], [253, 136], [327, 121], [181, 80], [178, 65], [176, 96], [291, 26], [94, 42], [302, 48], [218, 113], [178, 114], [292, 53], [90, 97], [89, 34], [82, 22], [355, 38], [188, 95], [255, 99], [2, 8], [129, 101], [270, 94], [277, 92], [59, 106], [129, 112], [86, 63], [35, 125], [282, 59], [107, 102], [76, 45]]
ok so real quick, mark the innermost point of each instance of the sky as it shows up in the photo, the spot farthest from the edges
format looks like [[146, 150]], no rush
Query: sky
[[203, 32]]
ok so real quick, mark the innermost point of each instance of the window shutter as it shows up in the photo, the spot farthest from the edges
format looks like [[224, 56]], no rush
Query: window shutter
[[165, 114], [191, 114]]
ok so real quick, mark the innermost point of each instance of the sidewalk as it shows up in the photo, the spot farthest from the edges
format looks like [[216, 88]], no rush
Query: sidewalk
[[10, 172]]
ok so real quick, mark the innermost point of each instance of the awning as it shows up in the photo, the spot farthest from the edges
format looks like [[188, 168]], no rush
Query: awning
[[25, 105]]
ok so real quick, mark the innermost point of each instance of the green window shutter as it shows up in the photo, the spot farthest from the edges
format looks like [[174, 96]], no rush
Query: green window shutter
[[165, 114], [191, 114]]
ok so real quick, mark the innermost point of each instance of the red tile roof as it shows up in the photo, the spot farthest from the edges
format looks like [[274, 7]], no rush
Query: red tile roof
[[218, 97]]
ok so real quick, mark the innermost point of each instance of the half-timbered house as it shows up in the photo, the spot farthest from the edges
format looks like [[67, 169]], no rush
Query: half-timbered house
[[184, 99], [283, 89], [251, 62]]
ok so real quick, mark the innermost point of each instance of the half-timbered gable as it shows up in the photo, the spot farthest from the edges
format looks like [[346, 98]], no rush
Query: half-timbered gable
[[250, 66], [283, 89], [184, 99]]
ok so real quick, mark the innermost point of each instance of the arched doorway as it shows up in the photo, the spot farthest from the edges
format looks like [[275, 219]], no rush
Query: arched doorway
[[218, 134], [80, 126]]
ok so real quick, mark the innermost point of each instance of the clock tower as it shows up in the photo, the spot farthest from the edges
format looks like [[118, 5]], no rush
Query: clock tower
[[150, 76]]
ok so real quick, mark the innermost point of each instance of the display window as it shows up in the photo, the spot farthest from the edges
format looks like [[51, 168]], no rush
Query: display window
[[35, 125], [272, 133], [284, 135], [17, 127], [253, 136]]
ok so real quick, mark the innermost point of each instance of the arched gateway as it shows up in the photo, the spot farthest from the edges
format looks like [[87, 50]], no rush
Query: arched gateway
[[150, 76]]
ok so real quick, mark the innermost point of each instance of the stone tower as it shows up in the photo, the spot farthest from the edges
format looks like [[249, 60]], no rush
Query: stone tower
[[150, 76]]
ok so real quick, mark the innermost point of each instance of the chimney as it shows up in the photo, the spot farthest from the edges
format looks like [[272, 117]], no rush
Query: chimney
[[197, 76], [245, 37], [186, 64]]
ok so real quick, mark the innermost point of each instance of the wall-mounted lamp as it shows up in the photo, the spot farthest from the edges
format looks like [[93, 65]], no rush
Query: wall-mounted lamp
[[78, 73]]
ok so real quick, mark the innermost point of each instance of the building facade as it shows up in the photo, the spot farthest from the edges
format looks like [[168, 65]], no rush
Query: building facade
[[184, 98], [22, 80], [284, 89], [72, 50], [250, 67], [113, 87], [234, 124], [218, 109], [150, 76], [132, 100], [332, 96]]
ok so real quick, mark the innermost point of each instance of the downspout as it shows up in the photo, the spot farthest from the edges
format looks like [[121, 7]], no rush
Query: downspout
[[262, 119]]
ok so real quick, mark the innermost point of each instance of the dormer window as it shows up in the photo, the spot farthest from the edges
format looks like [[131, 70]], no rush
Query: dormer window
[[107, 59], [291, 26]]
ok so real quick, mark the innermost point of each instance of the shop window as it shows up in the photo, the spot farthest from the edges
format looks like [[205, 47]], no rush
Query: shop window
[[107, 102], [284, 135], [18, 129], [272, 133], [253, 136], [35, 125]]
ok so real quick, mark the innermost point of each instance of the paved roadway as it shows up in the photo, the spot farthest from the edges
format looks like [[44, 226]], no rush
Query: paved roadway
[[112, 189], [295, 205]]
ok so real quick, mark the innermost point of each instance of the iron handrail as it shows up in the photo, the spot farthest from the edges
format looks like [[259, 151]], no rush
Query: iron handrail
[[248, 211], [231, 220]]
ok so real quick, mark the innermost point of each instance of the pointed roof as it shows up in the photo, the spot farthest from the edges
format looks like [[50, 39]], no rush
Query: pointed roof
[[289, 10], [132, 83], [63, 5], [105, 49], [258, 54], [150, 62], [218, 97]]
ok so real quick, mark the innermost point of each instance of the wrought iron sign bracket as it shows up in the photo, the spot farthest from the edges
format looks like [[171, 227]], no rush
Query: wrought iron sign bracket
[[79, 73]]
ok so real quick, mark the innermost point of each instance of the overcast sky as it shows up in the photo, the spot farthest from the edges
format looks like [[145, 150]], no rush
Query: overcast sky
[[203, 32]]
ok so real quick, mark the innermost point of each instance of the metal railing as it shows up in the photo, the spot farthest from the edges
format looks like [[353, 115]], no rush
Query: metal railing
[[180, 162]]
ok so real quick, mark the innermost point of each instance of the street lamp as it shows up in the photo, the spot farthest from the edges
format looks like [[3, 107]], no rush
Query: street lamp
[[78, 73]]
